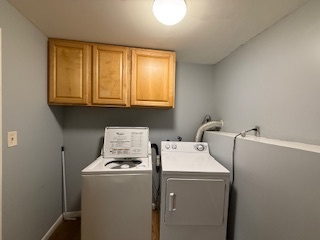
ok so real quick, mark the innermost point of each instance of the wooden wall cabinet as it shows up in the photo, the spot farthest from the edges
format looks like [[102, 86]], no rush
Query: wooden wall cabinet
[[110, 83], [104, 75], [153, 78], [69, 72]]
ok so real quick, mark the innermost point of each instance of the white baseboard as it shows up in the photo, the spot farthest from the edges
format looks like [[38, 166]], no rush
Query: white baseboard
[[72, 215], [65, 216], [53, 228]]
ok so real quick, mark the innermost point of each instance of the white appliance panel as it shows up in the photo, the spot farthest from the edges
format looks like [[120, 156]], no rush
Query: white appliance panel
[[114, 207], [185, 147], [122, 142], [194, 193], [116, 196], [191, 162], [194, 201]]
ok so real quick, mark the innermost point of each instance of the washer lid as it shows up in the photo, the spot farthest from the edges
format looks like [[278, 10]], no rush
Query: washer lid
[[109, 165], [123, 163], [121, 142], [191, 163]]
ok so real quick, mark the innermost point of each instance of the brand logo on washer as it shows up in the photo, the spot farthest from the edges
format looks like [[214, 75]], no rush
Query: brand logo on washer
[[120, 133]]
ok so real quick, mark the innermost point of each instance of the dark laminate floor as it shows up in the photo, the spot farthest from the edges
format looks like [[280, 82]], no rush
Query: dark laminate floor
[[70, 230]]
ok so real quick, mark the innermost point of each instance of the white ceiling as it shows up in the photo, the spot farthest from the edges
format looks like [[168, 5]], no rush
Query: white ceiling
[[211, 30]]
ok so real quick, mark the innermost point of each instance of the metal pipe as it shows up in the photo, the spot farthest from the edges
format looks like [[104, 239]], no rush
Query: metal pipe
[[64, 187], [216, 124]]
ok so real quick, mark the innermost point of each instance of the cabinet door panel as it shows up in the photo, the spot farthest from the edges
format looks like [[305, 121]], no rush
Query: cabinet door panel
[[153, 78], [69, 71], [110, 75]]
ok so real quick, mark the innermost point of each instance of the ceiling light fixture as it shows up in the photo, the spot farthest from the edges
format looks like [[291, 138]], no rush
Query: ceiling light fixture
[[169, 12]]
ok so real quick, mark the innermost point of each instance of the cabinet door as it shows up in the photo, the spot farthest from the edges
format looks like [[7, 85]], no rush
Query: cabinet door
[[69, 72], [110, 84], [153, 78]]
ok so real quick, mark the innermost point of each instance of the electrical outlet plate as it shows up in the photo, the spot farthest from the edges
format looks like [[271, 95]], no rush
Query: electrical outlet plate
[[12, 138]]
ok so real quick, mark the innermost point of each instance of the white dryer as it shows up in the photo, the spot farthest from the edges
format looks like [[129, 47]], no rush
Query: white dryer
[[116, 196], [194, 193]]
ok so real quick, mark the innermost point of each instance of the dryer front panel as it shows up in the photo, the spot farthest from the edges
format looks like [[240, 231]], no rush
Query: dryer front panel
[[195, 201]]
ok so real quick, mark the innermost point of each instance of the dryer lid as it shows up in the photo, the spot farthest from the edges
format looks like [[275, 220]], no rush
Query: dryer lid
[[126, 142]]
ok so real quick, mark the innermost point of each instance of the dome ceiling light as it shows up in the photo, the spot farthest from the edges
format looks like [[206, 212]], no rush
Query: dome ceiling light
[[169, 12]]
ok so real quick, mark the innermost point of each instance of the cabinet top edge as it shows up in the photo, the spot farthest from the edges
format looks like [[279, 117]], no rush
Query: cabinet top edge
[[109, 44]]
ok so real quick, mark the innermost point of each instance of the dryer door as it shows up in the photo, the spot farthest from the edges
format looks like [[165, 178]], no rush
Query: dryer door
[[195, 201]]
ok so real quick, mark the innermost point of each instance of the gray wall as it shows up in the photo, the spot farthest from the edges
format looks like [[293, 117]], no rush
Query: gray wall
[[273, 81], [276, 192], [84, 127], [31, 170]]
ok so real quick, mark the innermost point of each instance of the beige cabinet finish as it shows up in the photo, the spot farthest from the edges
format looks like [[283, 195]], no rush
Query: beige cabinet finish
[[103, 75], [153, 78], [110, 84], [69, 72]]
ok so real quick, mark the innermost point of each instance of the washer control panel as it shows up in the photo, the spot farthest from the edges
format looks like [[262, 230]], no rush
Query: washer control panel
[[125, 142], [190, 147]]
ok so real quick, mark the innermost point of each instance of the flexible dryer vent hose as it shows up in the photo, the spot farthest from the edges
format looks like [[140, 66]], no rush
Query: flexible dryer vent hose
[[217, 125]]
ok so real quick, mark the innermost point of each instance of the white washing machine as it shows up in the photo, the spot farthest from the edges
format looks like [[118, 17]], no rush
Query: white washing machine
[[194, 193], [116, 196]]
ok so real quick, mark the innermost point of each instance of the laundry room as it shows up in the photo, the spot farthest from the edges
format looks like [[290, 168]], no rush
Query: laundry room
[[262, 71]]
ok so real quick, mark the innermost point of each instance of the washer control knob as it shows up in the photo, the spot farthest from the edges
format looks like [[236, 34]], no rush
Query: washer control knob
[[200, 147], [167, 146], [174, 146]]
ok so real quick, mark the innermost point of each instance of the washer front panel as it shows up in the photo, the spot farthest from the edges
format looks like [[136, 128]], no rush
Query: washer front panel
[[116, 206]]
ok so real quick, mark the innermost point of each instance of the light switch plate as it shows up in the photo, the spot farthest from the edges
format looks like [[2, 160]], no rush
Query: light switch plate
[[12, 138]]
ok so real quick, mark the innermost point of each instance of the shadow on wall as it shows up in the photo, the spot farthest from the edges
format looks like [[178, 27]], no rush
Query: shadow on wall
[[57, 112], [100, 146], [95, 117]]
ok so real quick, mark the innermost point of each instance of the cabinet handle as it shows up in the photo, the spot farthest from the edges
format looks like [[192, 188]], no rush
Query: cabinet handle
[[172, 202]]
